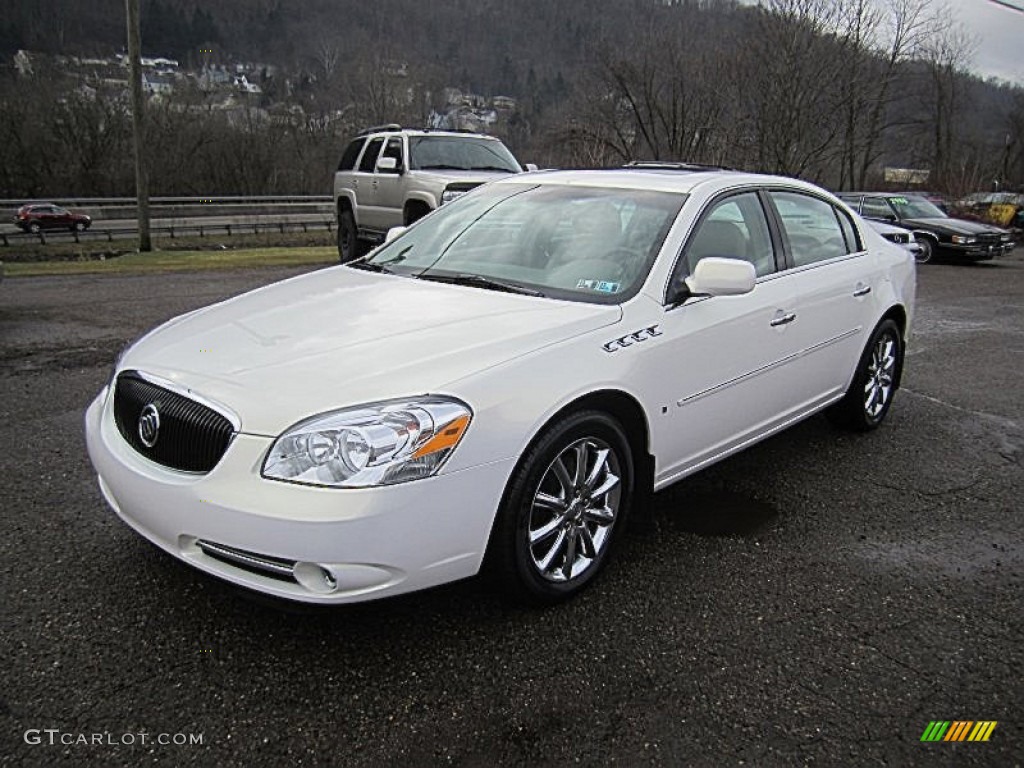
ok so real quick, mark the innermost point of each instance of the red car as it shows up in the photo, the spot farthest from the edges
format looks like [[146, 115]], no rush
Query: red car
[[37, 216]]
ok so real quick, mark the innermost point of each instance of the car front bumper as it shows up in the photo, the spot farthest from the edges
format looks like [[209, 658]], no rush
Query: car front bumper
[[317, 545], [976, 252]]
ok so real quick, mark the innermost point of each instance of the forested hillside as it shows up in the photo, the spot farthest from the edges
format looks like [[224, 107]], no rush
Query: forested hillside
[[832, 90]]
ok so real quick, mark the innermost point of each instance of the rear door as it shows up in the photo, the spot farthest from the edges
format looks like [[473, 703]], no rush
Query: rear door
[[835, 284], [363, 178]]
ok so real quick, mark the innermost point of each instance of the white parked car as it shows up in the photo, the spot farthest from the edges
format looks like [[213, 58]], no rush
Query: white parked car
[[496, 385], [900, 235]]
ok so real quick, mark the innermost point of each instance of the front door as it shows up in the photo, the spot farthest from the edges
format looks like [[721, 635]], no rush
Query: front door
[[718, 369]]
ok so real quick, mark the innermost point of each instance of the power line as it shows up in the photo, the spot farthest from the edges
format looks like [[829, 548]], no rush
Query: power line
[[1005, 4]]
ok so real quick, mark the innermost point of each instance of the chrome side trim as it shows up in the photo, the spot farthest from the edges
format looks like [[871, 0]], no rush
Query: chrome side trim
[[758, 371], [159, 381]]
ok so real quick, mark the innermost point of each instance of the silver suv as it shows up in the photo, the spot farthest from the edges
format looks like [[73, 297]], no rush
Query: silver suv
[[390, 177]]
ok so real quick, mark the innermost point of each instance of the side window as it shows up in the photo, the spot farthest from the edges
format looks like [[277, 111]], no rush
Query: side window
[[369, 161], [849, 231], [734, 228], [348, 159], [811, 227], [876, 208], [394, 149]]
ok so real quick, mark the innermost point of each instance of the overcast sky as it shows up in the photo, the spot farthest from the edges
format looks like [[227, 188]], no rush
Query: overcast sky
[[1000, 33]]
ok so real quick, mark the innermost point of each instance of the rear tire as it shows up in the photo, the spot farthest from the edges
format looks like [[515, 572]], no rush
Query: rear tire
[[348, 237], [871, 392], [564, 509], [34, 227]]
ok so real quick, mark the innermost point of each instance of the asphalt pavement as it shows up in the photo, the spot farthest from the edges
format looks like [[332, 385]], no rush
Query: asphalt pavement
[[816, 600]]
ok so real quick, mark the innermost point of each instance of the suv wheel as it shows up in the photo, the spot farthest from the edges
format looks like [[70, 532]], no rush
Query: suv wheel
[[348, 240], [34, 227]]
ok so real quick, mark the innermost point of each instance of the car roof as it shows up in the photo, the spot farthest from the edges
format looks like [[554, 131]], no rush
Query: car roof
[[424, 132], [658, 179], [915, 195]]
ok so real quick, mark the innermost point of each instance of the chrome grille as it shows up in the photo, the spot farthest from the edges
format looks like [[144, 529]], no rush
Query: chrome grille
[[192, 437]]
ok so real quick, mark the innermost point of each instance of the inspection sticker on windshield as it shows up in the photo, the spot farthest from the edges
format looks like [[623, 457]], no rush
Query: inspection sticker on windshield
[[602, 286]]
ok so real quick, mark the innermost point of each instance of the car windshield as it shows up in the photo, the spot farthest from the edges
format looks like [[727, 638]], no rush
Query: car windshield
[[590, 244], [463, 153], [916, 208]]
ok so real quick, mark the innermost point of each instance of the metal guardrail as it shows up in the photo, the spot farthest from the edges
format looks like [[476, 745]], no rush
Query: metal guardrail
[[171, 231], [122, 201]]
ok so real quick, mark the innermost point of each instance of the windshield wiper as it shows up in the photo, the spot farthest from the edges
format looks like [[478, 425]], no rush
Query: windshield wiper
[[379, 266], [369, 266], [442, 168], [501, 168], [479, 281]]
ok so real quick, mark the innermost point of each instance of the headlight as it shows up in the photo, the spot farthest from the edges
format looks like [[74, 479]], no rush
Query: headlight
[[964, 240], [1005, 237], [374, 444], [452, 194]]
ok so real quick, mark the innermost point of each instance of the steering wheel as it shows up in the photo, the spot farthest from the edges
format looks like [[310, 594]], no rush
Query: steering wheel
[[629, 261]]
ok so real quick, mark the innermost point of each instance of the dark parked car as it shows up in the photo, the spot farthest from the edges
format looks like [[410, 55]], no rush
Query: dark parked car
[[32, 218], [936, 232]]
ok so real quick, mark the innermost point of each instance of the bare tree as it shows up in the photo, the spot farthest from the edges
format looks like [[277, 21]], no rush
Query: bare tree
[[945, 56]]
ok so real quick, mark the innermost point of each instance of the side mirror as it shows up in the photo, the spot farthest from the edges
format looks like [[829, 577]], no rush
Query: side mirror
[[714, 276], [530, 166], [388, 165], [394, 231]]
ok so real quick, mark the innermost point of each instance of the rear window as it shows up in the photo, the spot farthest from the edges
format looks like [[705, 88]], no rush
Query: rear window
[[348, 159]]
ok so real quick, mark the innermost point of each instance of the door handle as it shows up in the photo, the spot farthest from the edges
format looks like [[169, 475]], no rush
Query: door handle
[[783, 320], [862, 291]]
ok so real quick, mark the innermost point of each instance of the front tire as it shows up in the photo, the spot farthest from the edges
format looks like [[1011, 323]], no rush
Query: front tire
[[870, 395], [564, 509], [926, 252], [80, 226]]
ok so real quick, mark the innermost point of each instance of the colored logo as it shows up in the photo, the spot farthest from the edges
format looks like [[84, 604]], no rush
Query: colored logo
[[959, 730]]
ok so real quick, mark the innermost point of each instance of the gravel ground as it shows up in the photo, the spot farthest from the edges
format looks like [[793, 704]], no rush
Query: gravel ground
[[816, 600]]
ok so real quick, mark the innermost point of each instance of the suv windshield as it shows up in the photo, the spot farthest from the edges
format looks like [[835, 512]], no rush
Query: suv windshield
[[464, 153], [578, 243], [916, 208]]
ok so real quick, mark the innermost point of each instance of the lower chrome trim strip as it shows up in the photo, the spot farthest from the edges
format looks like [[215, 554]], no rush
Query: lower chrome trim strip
[[758, 371]]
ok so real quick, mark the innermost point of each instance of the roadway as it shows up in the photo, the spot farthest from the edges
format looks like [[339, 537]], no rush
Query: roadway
[[817, 599]]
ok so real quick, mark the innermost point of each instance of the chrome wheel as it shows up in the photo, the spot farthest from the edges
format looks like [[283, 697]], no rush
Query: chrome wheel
[[880, 374], [574, 509], [925, 251]]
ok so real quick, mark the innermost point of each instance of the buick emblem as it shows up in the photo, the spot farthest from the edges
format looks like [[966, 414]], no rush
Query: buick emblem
[[149, 425]]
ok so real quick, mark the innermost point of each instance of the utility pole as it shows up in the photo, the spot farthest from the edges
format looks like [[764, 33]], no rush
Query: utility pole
[[138, 123]]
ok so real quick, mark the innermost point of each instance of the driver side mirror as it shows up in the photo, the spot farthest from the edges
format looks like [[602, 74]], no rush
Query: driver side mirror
[[716, 276], [530, 166]]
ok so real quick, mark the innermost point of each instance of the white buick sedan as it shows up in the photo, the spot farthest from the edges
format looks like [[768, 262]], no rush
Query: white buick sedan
[[495, 386]]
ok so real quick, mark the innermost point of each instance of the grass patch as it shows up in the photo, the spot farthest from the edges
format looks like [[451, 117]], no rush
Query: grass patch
[[175, 261]]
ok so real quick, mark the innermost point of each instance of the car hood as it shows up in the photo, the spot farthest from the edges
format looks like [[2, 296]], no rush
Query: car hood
[[340, 337], [950, 226], [443, 177]]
